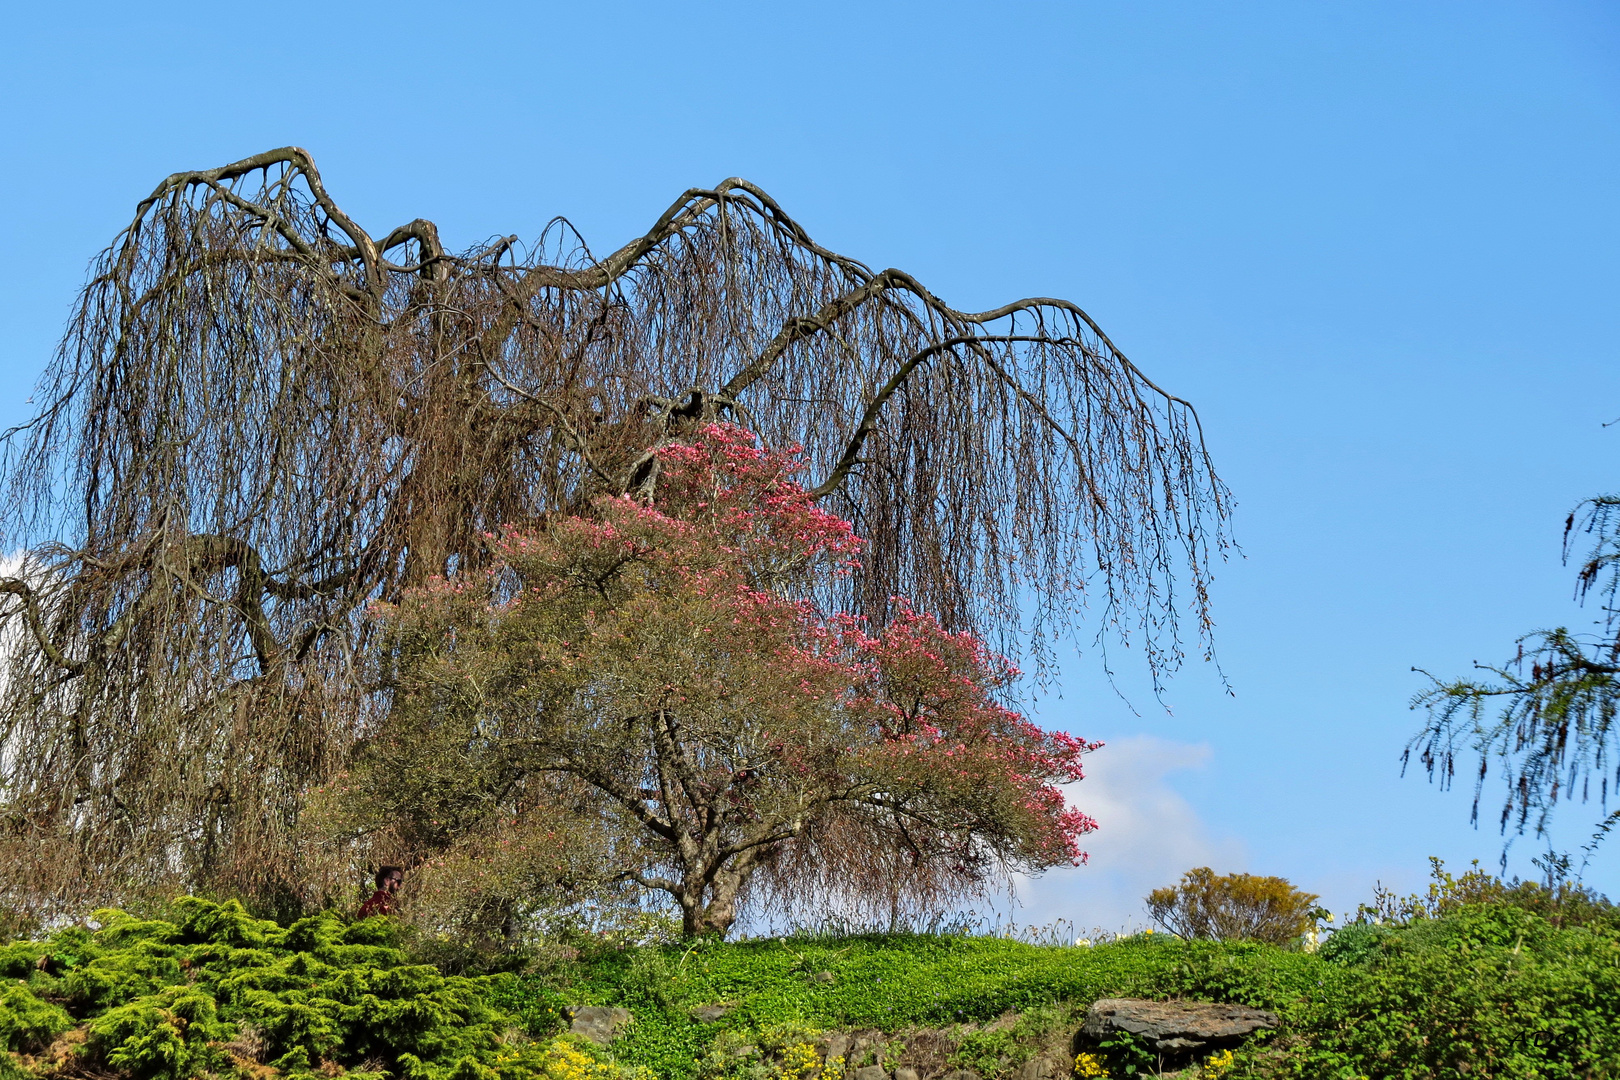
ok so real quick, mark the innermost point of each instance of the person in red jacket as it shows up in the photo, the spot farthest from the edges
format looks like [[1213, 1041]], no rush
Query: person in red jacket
[[389, 879]]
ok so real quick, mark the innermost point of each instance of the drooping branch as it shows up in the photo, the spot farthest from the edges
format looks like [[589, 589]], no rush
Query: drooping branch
[[1547, 718], [288, 418]]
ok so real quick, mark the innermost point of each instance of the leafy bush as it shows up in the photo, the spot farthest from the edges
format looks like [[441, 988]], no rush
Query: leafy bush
[[1560, 902], [27, 1023], [1233, 907], [213, 991], [1485, 991]]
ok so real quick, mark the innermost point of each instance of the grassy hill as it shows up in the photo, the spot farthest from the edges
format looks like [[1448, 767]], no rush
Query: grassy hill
[[1484, 990]]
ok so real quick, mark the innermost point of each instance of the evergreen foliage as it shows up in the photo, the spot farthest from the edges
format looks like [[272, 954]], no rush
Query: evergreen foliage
[[213, 991]]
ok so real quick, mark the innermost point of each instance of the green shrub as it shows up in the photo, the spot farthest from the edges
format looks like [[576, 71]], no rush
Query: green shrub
[[215, 991], [26, 1022], [171, 1034], [1485, 991], [1354, 944]]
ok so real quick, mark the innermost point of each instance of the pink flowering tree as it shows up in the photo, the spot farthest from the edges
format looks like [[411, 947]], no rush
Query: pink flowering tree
[[664, 671]]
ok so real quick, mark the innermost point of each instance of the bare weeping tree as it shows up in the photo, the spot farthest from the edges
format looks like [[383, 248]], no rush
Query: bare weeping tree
[[264, 417]]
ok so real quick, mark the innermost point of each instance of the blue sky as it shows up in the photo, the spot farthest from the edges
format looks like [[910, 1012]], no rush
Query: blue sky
[[1377, 244]]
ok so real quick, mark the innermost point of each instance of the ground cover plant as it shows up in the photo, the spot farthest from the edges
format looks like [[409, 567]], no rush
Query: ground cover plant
[[1476, 979], [1476, 989]]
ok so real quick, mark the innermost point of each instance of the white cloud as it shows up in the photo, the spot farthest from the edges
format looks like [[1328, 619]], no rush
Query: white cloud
[[1148, 835]]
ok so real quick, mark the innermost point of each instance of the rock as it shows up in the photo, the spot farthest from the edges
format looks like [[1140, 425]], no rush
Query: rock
[[1041, 1068], [708, 1014], [835, 1045], [905, 1072], [598, 1023], [822, 977], [1176, 1027], [871, 1072]]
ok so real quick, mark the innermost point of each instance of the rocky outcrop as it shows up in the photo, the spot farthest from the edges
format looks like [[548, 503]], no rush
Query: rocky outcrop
[[1177, 1031], [598, 1023], [1174, 1028]]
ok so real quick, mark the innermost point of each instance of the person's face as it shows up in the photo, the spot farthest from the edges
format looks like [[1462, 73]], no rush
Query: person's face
[[392, 882]]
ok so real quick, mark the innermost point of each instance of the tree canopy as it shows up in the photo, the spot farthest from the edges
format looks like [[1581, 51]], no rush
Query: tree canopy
[[655, 672], [264, 417]]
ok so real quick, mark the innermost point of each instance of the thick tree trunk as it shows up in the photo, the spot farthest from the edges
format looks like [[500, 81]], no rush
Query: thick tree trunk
[[708, 908]]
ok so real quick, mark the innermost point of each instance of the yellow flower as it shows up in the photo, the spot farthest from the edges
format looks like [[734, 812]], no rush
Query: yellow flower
[[801, 1059], [1216, 1066], [1089, 1067]]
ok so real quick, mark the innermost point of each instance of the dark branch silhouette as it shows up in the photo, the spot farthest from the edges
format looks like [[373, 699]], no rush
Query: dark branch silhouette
[[262, 419]]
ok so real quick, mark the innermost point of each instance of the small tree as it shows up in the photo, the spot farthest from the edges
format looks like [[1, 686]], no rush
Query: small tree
[[1232, 907], [657, 672]]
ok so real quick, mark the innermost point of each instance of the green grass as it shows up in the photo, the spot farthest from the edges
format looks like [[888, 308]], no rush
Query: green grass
[[1488, 990], [891, 982]]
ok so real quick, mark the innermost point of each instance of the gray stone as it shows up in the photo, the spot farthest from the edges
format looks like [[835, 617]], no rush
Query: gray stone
[[905, 1072], [822, 977], [835, 1045], [1040, 1068], [871, 1072], [598, 1023], [708, 1014], [1176, 1027]]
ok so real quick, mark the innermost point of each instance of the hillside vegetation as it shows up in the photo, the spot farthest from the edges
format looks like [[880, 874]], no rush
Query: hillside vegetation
[[1492, 989]]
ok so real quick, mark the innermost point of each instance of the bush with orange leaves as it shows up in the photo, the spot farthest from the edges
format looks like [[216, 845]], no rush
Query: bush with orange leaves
[[1233, 907]]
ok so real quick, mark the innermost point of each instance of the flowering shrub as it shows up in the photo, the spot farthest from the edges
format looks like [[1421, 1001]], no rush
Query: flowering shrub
[[1088, 1067], [659, 677], [801, 1062]]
